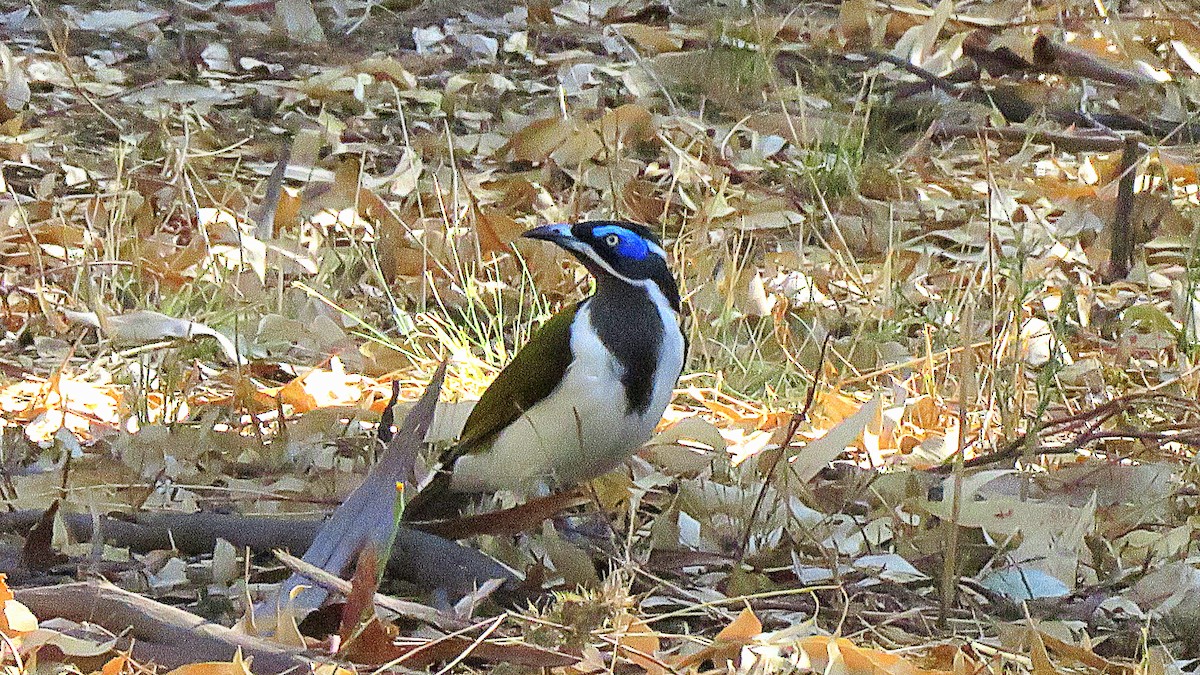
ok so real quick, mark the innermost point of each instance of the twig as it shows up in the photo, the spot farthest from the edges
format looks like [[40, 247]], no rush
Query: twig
[[1086, 426], [405, 608], [933, 80], [61, 52], [792, 428], [1121, 250], [65, 110], [1065, 142]]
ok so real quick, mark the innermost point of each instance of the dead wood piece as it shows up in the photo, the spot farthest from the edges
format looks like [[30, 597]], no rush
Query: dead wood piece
[[1121, 250], [423, 559], [996, 61], [1053, 57], [927, 77], [38, 554], [158, 633], [1064, 142]]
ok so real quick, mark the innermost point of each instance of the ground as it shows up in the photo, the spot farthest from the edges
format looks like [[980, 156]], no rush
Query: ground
[[940, 276]]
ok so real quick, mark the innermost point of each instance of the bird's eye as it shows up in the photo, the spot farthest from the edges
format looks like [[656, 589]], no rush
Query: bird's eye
[[612, 240]]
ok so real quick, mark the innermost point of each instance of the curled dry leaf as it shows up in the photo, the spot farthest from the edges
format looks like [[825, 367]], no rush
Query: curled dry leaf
[[829, 654], [651, 39], [815, 456], [145, 326], [638, 643], [727, 646], [685, 459], [238, 666], [16, 87]]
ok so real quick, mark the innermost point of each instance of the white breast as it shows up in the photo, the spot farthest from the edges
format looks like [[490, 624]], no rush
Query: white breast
[[576, 433]]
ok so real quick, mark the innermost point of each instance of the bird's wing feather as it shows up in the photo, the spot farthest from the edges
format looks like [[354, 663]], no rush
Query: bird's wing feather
[[533, 373], [530, 377]]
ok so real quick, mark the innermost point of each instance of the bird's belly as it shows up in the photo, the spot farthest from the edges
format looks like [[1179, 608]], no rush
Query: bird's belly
[[582, 429], [577, 433]]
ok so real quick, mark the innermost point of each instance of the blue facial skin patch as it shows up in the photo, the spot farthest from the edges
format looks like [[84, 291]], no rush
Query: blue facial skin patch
[[631, 246]]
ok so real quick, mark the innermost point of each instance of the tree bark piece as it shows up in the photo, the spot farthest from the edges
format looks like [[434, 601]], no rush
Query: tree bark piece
[[1120, 256], [425, 560], [158, 633], [1063, 141]]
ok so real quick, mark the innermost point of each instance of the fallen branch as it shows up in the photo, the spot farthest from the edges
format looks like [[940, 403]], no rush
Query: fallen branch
[[1121, 249], [428, 561], [1085, 428], [1063, 141], [1052, 57], [158, 633]]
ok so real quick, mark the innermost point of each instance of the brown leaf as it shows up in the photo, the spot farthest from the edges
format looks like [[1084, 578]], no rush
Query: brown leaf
[[729, 642], [538, 139], [582, 145], [651, 39], [237, 666], [637, 642], [15, 618], [495, 230], [373, 644], [626, 124], [359, 605]]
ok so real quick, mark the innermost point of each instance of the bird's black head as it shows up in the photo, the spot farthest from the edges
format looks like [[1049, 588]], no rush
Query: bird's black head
[[615, 251]]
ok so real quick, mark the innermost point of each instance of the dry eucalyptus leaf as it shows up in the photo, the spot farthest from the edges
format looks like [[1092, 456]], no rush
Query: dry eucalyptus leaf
[[299, 21], [145, 326]]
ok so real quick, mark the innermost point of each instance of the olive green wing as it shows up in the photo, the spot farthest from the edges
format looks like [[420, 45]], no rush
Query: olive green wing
[[533, 373]]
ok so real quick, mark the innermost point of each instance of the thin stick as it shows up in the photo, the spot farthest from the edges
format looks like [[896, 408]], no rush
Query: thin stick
[[793, 427]]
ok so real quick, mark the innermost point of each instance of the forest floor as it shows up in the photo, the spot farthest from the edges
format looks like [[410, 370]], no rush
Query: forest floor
[[941, 280]]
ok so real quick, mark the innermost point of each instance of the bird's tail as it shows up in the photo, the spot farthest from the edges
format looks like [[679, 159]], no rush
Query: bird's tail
[[436, 501]]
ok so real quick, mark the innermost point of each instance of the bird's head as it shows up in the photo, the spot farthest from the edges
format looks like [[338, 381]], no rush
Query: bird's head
[[616, 251]]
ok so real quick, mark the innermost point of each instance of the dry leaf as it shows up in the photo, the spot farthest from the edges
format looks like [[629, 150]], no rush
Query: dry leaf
[[144, 326], [638, 643], [817, 454], [299, 21]]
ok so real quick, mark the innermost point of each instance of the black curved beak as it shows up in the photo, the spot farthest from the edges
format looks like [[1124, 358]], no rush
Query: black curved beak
[[559, 233]]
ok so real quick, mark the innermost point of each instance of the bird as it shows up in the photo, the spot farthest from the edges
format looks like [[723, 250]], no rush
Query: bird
[[586, 391]]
